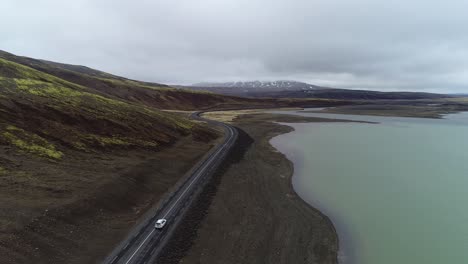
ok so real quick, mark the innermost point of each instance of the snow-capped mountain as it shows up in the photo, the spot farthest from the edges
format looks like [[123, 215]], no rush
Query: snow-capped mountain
[[293, 89], [261, 86]]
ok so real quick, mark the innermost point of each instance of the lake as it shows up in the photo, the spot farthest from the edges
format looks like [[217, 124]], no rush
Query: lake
[[397, 191]]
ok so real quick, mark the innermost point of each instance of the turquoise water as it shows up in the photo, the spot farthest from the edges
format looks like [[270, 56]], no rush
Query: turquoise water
[[396, 191]]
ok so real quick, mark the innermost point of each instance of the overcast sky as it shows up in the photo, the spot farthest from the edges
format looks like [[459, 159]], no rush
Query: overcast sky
[[371, 44]]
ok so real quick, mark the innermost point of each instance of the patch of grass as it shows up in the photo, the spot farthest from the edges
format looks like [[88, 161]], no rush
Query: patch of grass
[[86, 142], [45, 89], [110, 141], [120, 141], [131, 83], [14, 70], [30, 143]]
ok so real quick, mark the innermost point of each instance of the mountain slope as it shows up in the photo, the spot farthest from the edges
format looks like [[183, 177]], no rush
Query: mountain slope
[[150, 94], [74, 116], [79, 167]]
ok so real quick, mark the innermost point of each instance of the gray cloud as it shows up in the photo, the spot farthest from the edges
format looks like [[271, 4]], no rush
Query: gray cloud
[[371, 44]]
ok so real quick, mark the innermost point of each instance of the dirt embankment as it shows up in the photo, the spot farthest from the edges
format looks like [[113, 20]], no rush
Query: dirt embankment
[[251, 214]]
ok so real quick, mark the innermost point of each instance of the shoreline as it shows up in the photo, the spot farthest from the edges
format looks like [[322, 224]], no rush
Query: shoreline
[[362, 222], [293, 190], [256, 216]]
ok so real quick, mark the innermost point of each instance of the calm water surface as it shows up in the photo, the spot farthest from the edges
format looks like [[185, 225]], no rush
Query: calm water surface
[[396, 191]]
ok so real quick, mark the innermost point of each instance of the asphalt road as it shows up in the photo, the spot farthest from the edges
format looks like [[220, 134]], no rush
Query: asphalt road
[[144, 242]]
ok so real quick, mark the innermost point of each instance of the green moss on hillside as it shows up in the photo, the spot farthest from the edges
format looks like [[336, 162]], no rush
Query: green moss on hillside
[[3, 171], [132, 83], [36, 103], [29, 142], [14, 70]]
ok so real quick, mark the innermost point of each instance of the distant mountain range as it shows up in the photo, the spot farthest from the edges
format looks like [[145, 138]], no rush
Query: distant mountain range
[[293, 89], [261, 86]]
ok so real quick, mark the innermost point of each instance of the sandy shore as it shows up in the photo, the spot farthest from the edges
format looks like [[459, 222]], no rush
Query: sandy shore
[[251, 213]]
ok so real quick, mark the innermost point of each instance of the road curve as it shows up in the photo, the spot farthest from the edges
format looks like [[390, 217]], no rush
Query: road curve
[[144, 242]]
